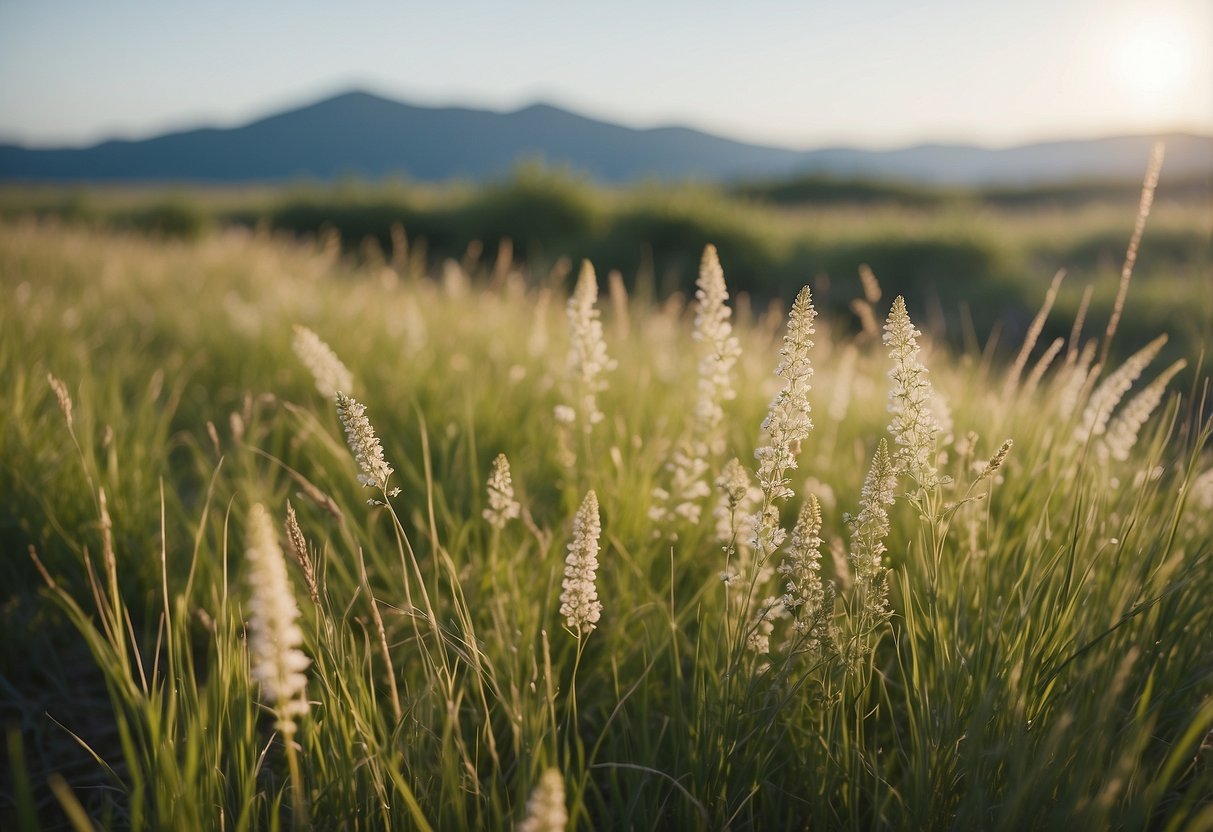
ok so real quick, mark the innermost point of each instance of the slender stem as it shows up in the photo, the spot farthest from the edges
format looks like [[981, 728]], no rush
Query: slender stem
[[298, 801]]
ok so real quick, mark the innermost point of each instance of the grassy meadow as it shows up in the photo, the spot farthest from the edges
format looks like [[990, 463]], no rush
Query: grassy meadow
[[884, 616]]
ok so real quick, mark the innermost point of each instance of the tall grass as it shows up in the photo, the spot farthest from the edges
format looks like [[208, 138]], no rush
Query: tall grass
[[1020, 641]]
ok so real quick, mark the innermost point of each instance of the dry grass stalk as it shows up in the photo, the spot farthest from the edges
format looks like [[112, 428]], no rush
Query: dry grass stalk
[[1126, 273]]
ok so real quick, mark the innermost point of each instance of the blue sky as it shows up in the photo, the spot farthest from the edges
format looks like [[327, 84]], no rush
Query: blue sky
[[874, 73]]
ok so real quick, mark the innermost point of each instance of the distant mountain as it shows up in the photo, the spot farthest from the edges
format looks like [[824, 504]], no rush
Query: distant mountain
[[368, 136]]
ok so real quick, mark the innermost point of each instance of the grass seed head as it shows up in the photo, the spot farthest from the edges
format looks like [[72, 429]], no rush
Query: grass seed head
[[330, 375], [274, 635], [545, 809]]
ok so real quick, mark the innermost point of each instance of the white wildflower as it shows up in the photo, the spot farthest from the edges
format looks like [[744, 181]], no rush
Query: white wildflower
[[274, 636], [739, 499], [758, 636], [579, 602], [587, 350], [914, 425], [721, 350], [368, 453], [869, 529], [502, 505], [545, 809], [330, 375], [1108, 394], [801, 567], [705, 441], [688, 485], [786, 424], [1122, 432]]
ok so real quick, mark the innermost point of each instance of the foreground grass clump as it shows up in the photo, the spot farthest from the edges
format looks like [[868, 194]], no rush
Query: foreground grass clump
[[584, 562]]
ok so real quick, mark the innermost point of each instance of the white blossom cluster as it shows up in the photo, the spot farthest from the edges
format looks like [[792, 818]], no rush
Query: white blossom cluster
[[786, 424], [692, 458], [579, 602], [502, 505], [801, 570], [588, 359], [869, 529], [721, 350], [368, 453]]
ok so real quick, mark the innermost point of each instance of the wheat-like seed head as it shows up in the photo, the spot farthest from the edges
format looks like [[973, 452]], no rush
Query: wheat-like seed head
[[330, 375], [545, 809], [63, 397], [274, 635], [1123, 430], [914, 424], [1112, 389]]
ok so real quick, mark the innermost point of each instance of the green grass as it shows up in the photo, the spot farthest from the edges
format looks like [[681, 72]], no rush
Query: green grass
[[977, 257], [1047, 663]]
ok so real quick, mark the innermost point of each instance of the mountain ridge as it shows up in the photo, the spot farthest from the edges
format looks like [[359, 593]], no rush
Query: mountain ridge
[[367, 135]]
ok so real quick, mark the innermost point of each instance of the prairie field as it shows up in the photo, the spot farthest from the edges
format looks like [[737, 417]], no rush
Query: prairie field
[[294, 539]]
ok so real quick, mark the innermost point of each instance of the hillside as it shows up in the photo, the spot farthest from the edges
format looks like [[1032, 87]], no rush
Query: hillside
[[364, 135]]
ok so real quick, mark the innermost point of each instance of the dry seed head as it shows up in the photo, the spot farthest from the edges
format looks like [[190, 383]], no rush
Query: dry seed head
[[1110, 391], [871, 286], [64, 399], [502, 505], [1123, 431], [545, 809], [274, 634], [995, 462], [1034, 330], [1072, 382], [579, 602], [330, 375], [1042, 364], [296, 542]]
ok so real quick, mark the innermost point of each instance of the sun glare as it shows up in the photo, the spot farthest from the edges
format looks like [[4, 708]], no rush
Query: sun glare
[[1154, 57]]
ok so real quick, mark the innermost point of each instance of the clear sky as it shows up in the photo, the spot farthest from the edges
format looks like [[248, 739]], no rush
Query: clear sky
[[873, 73]]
